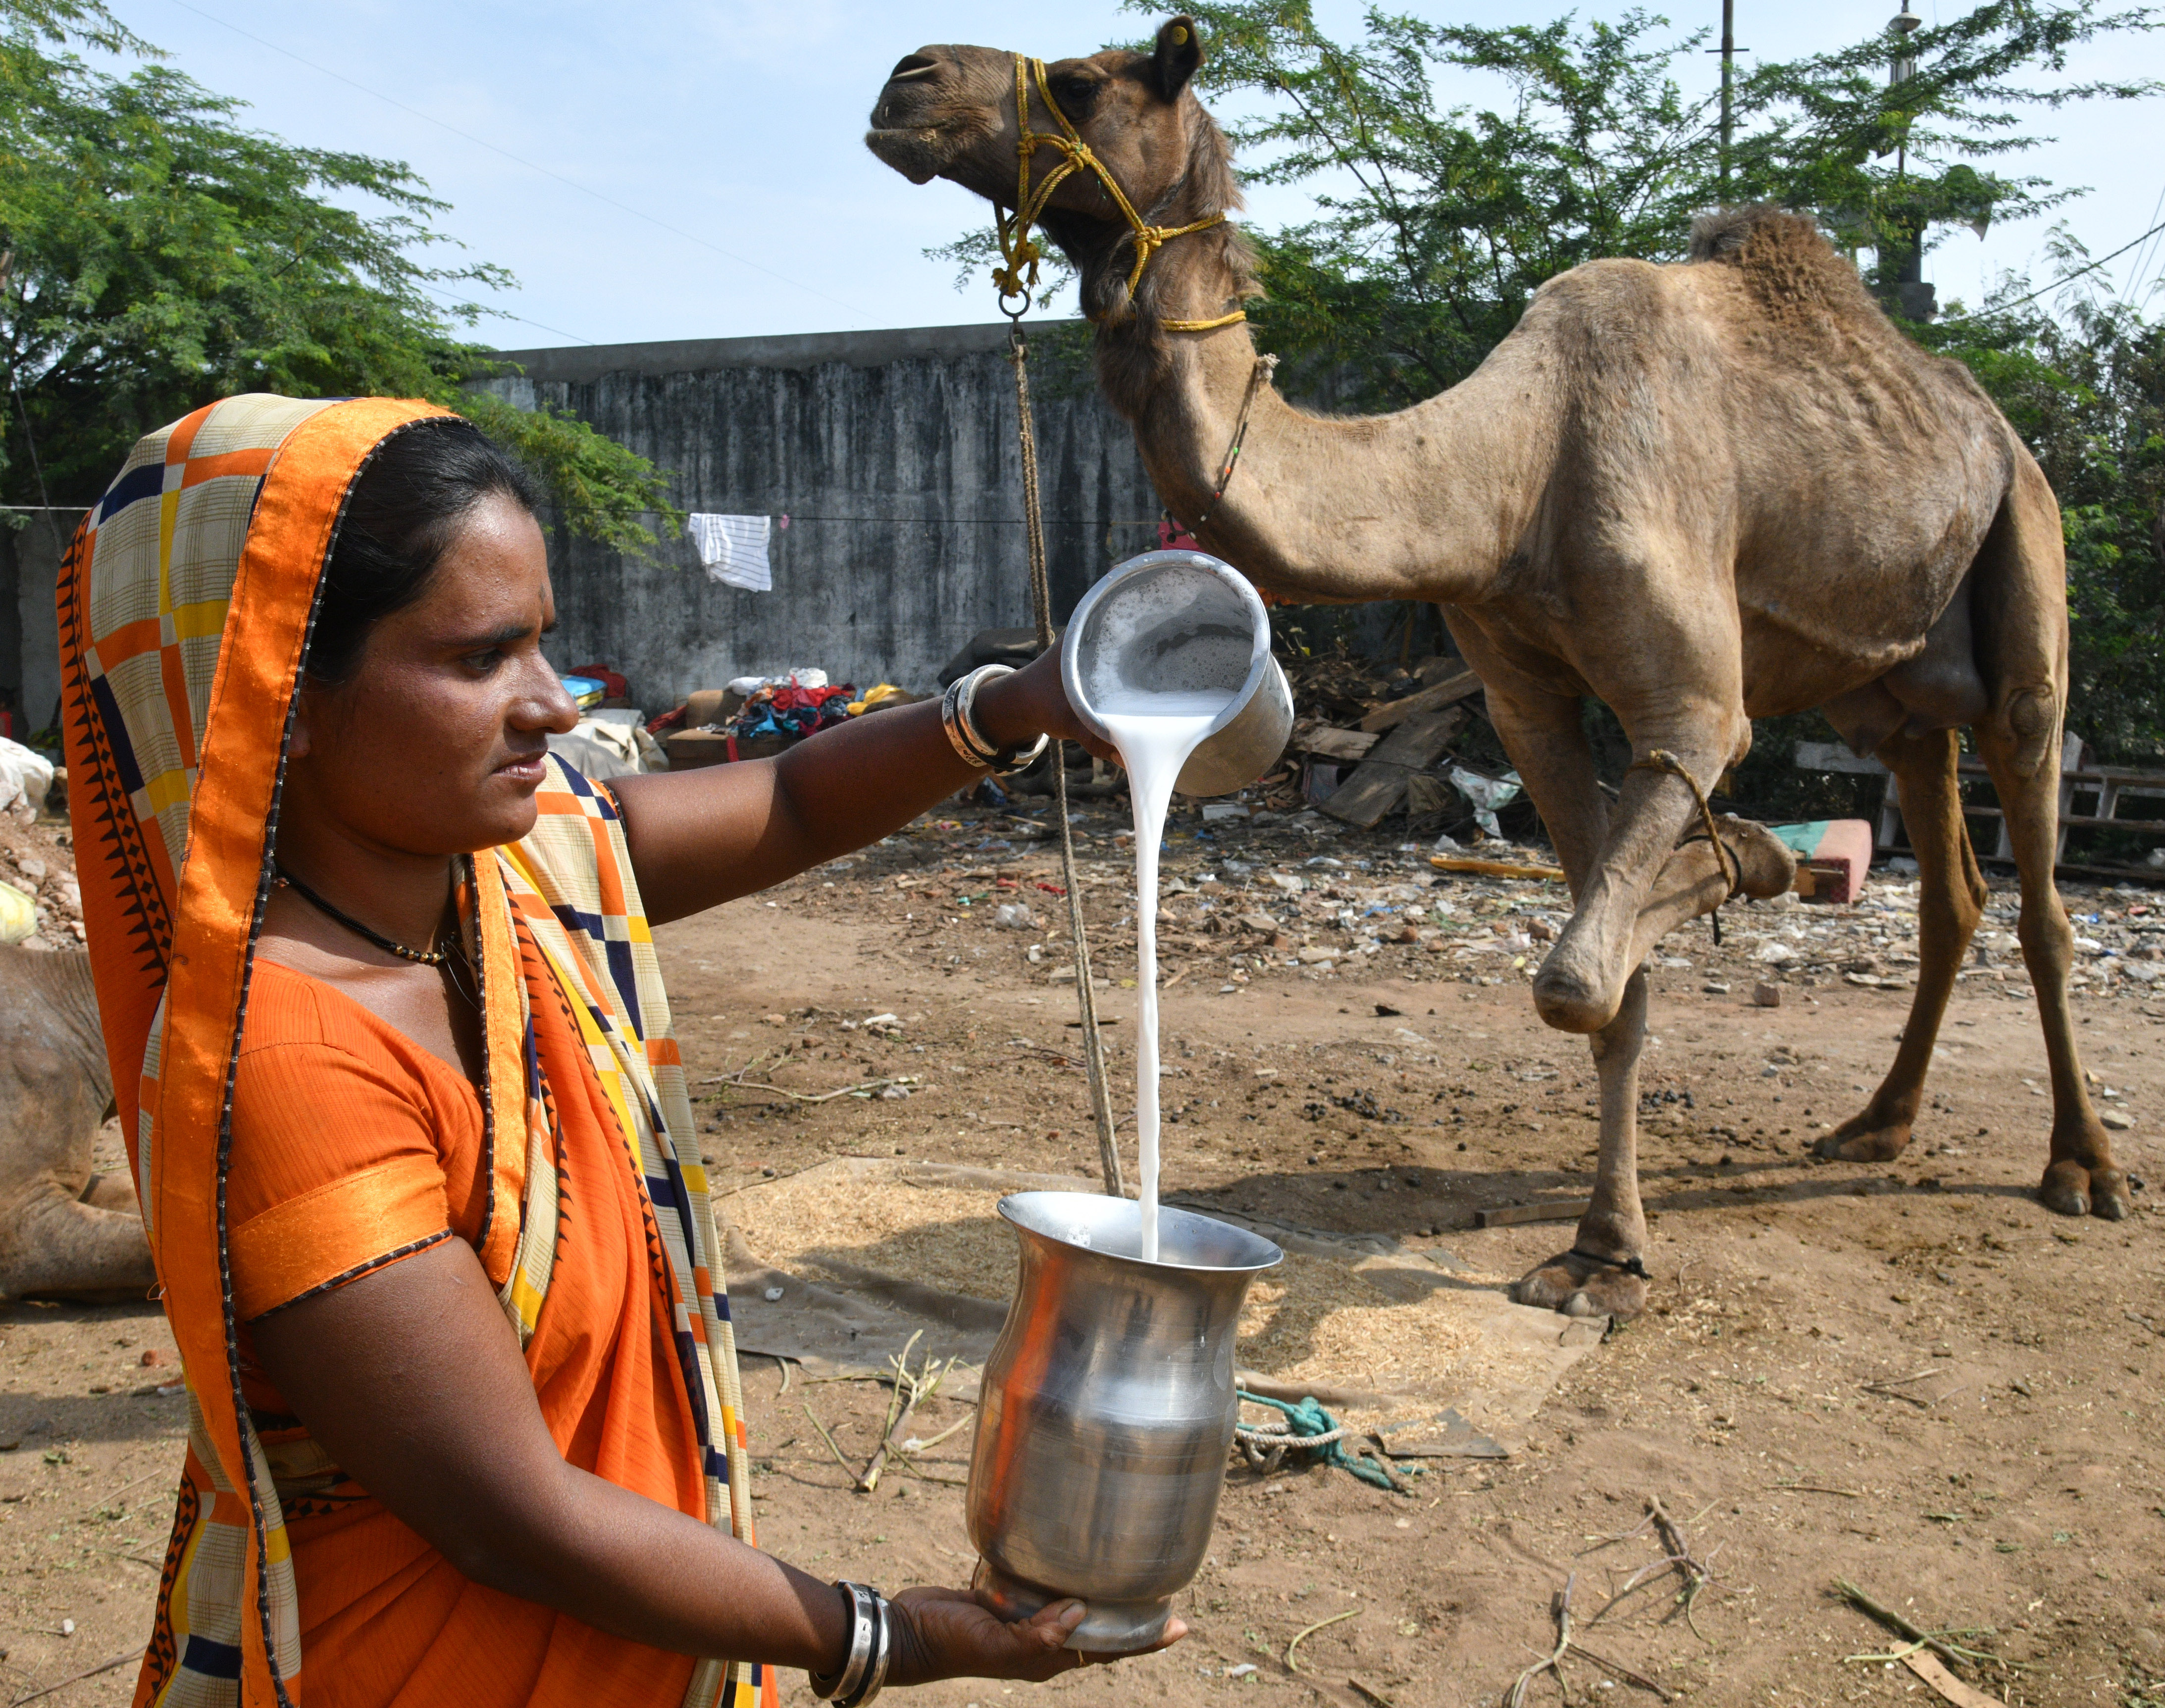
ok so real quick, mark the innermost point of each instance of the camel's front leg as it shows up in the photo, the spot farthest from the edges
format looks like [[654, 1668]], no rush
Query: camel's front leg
[[1580, 986], [1603, 1273], [1542, 731]]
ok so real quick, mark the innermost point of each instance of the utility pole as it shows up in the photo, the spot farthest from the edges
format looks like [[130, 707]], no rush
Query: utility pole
[[1917, 300], [1728, 77]]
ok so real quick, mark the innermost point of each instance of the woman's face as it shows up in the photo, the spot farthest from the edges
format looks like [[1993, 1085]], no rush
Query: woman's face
[[434, 745]]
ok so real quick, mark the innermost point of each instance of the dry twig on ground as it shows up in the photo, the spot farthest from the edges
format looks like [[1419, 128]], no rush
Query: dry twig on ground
[[1697, 1574], [1560, 1609], [919, 1385], [1939, 1641]]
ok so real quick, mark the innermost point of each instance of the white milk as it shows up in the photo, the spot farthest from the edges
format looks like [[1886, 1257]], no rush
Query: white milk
[[1155, 733]]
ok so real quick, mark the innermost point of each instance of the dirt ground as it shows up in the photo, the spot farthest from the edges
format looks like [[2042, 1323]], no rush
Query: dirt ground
[[1909, 1376]]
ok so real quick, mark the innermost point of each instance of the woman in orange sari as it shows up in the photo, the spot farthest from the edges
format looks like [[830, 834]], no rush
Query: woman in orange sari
[[408, 1121]]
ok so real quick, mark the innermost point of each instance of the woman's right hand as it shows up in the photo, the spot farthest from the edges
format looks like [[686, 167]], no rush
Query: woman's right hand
[[952, 1634]]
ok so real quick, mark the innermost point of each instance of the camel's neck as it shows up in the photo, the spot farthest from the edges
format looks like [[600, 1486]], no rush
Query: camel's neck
[[1428, 503]]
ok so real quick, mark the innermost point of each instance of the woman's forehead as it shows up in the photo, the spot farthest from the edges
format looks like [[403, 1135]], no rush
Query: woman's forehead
[[495, 565]]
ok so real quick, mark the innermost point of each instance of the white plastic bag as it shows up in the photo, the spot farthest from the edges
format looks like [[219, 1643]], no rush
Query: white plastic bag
[[24, 775], [1486, 794]]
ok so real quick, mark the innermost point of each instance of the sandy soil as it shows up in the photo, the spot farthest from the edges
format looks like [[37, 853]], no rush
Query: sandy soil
[[1908, 1375]]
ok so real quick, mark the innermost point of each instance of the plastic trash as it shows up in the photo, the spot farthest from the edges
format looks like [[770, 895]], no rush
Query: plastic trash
[[1014, 916], [18, 915], [25, 774], [1486, 794]]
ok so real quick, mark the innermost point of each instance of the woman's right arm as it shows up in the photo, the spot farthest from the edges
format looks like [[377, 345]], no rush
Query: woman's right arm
[[411, 1380]]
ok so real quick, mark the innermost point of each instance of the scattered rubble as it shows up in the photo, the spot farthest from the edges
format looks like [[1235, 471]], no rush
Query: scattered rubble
[[37, 856]]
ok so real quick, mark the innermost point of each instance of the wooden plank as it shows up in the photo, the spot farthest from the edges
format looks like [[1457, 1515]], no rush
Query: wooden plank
[[1496, 869], [1380, 784], [1448, 692], [1330, 743], [1514, 1215], [1364, 798], [1419, 743]]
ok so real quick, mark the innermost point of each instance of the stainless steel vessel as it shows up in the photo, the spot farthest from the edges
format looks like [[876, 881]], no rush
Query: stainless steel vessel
[[1176, 621], [1107, 1411]]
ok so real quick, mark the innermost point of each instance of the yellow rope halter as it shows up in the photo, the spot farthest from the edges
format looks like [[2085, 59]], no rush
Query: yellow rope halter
[[1021, 253]]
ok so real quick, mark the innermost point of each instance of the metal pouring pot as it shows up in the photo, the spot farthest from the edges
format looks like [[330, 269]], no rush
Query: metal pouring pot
[[1106, 1412], [1176, 621]]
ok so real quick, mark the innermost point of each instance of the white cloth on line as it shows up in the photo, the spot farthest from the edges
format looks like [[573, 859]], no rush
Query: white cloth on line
[[733, 549]]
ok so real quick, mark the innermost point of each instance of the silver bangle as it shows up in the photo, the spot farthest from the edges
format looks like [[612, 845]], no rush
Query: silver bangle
[[876, 1673], [958, 714], [955, 706], [866, 1625]]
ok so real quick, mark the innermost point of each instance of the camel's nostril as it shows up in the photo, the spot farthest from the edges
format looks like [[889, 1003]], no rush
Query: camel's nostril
[[912, 67]]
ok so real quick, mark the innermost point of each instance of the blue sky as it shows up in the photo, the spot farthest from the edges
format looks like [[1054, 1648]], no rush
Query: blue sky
[[739, 124]]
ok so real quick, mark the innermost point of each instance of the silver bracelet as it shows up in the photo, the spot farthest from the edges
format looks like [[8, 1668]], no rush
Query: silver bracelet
[[876, 1673], [954, 707], [958, 715], [867, 1626]]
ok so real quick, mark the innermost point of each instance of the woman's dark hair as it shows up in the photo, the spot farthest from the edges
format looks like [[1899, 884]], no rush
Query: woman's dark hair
[[406, 505]]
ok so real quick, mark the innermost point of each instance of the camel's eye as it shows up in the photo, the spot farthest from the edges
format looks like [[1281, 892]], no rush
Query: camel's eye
[[1076, 94]]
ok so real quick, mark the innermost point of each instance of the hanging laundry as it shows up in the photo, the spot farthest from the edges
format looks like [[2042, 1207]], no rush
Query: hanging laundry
[[733, 549]]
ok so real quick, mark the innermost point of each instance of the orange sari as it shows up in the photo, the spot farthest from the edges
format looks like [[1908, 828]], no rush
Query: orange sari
[[295, 1149]]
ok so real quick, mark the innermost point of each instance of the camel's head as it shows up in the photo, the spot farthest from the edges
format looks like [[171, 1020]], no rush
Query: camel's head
[[949, 112]]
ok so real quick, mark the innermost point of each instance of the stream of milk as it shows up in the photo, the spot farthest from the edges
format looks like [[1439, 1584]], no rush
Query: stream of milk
[[1155, 733]]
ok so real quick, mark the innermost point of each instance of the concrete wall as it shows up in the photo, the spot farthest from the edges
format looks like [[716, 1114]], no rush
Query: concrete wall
[[29, 627], [893, 455]]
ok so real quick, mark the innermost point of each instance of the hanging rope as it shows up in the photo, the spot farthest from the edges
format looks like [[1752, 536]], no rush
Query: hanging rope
[[1040, 599]]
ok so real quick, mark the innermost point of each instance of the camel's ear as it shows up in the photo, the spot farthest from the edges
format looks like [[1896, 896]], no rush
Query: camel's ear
[[1179, 52]]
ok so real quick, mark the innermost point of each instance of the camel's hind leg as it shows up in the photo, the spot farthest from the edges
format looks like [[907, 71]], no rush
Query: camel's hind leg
[[2081, 1176], [1950, 900], [2023, 626]]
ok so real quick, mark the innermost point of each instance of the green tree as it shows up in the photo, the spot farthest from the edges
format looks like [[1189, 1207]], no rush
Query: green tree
[[2085, 387], [158, 255], [1435, 223], [1893, 164]]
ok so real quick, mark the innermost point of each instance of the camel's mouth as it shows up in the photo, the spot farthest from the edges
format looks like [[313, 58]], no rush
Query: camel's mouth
[[919, 153]]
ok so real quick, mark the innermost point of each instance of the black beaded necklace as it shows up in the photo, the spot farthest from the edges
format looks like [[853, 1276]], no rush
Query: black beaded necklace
[[425, 957]]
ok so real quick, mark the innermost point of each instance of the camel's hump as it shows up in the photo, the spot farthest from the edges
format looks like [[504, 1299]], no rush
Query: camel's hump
[[1726, 234]]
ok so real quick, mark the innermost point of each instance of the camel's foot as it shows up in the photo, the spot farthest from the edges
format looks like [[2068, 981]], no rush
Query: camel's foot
[[2099, 1189], [1868, 1137], [1570, 1002], [1581, 1286], [1766, 865]]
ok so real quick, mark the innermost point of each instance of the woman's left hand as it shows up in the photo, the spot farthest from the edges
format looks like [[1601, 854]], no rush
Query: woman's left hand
[[1016, 710], [952, 1634]]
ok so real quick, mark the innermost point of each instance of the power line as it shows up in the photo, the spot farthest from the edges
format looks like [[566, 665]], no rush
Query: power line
[[2142, 261], [506, 314], [2069, 278], [518, 160]]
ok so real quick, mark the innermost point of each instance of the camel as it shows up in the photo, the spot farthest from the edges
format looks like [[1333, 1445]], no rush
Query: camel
[[1704, 492], [64, 1229]]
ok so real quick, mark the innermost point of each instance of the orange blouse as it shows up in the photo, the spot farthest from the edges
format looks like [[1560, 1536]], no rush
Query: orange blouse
[[354, 1148]]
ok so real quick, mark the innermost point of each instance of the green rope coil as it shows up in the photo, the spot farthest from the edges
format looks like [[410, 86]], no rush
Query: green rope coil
[[1310, 1429]]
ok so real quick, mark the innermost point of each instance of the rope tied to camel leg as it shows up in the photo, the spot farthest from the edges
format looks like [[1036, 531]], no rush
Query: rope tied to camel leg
[[1661, 760], [1628, 1266], [1040, 598]]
